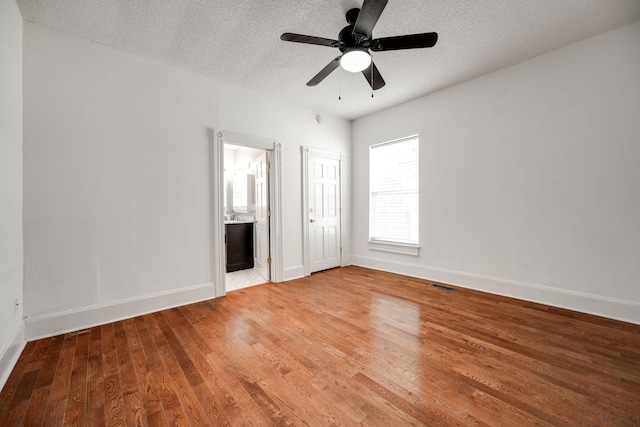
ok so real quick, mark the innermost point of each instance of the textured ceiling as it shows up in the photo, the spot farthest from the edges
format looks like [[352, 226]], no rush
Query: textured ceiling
[[237, 41]]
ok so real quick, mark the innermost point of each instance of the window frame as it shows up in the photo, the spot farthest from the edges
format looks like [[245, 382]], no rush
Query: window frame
[[398, 247]]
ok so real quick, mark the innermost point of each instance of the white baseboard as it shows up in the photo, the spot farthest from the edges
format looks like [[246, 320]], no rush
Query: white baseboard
[[586, 303], [291, 273], [346, 260], [73, 320], [9, 357]]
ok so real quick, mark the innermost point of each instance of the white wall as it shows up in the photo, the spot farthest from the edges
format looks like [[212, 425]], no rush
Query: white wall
[[528, 179], [11, 258], [117, 178], [115, 175]]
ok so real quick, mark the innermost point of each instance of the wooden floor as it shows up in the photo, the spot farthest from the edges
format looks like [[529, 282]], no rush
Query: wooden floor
[[348, 346]]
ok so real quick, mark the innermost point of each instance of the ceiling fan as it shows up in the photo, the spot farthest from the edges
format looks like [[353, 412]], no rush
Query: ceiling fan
[[355, 42]]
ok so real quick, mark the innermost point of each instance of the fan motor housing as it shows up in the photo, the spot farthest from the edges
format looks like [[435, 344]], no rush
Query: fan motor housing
[[352, 15], [346, 37]]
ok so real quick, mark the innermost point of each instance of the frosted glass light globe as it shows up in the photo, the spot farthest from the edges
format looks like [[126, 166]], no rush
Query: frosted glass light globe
[[355, 59]]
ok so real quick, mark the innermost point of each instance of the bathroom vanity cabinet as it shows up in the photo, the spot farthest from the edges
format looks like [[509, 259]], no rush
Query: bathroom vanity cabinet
[[239, 245]]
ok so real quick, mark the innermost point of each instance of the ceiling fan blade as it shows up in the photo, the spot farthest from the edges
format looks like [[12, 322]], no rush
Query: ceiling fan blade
[[368, 16], [373, 77], [324, 72], [410, 41], [301, 38]]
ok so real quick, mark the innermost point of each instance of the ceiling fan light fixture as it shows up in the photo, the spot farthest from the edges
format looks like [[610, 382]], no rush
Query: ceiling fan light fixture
[[355, 59]]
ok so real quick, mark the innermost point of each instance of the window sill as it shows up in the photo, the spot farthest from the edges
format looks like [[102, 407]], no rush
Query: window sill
[[396, 248]]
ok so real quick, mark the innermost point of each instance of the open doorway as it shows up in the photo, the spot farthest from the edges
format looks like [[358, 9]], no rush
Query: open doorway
[[246, 216], [247, 243]]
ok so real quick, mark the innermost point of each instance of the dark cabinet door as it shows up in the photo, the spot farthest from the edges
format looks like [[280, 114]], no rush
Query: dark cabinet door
[[239, 246]]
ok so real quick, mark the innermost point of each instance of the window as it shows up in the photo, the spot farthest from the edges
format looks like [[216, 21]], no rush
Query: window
[[394, 197]]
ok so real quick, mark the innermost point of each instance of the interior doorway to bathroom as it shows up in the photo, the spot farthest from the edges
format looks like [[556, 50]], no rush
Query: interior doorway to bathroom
[[246, 208], [246, 222]]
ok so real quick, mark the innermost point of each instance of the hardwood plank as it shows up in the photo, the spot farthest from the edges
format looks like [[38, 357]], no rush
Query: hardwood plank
[[182, 379], [76, 399], [297, 377], [95, 414], [134, 413], [60, 385], [42, 390], [109, 354], [14, 414], [150, 401], [37, 406], [10, 387], [213, 406], [114, 402], [48, 370], [38, 356], [348, 346], [227, 394], [160, 378], [21, 397]]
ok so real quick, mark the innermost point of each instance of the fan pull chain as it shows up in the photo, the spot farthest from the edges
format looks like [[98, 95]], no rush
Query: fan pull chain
[[339, 80]]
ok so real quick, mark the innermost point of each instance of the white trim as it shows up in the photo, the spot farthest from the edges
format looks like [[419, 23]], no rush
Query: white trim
[[292, 273], [306, 263], [343, 202], [341, 158], [275, 202], [47, 325], [244, 140], [275, 234], [11, 354], [395, 141], [598, 305], [396, 248], [218, 266]]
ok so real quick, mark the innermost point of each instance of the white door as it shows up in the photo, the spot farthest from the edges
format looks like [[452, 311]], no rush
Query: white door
[[324, 212], [262, 217]]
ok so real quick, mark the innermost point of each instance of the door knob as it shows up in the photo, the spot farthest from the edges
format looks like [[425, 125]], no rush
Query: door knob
[[312, 220]]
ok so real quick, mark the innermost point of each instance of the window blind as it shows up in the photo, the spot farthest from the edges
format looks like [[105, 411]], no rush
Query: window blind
[[394, 196]]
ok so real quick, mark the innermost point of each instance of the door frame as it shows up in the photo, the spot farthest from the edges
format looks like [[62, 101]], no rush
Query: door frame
[[220, 137], [306, 152]]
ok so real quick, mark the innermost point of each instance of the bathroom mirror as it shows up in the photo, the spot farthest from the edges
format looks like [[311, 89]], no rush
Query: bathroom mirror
[[243, 193]]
